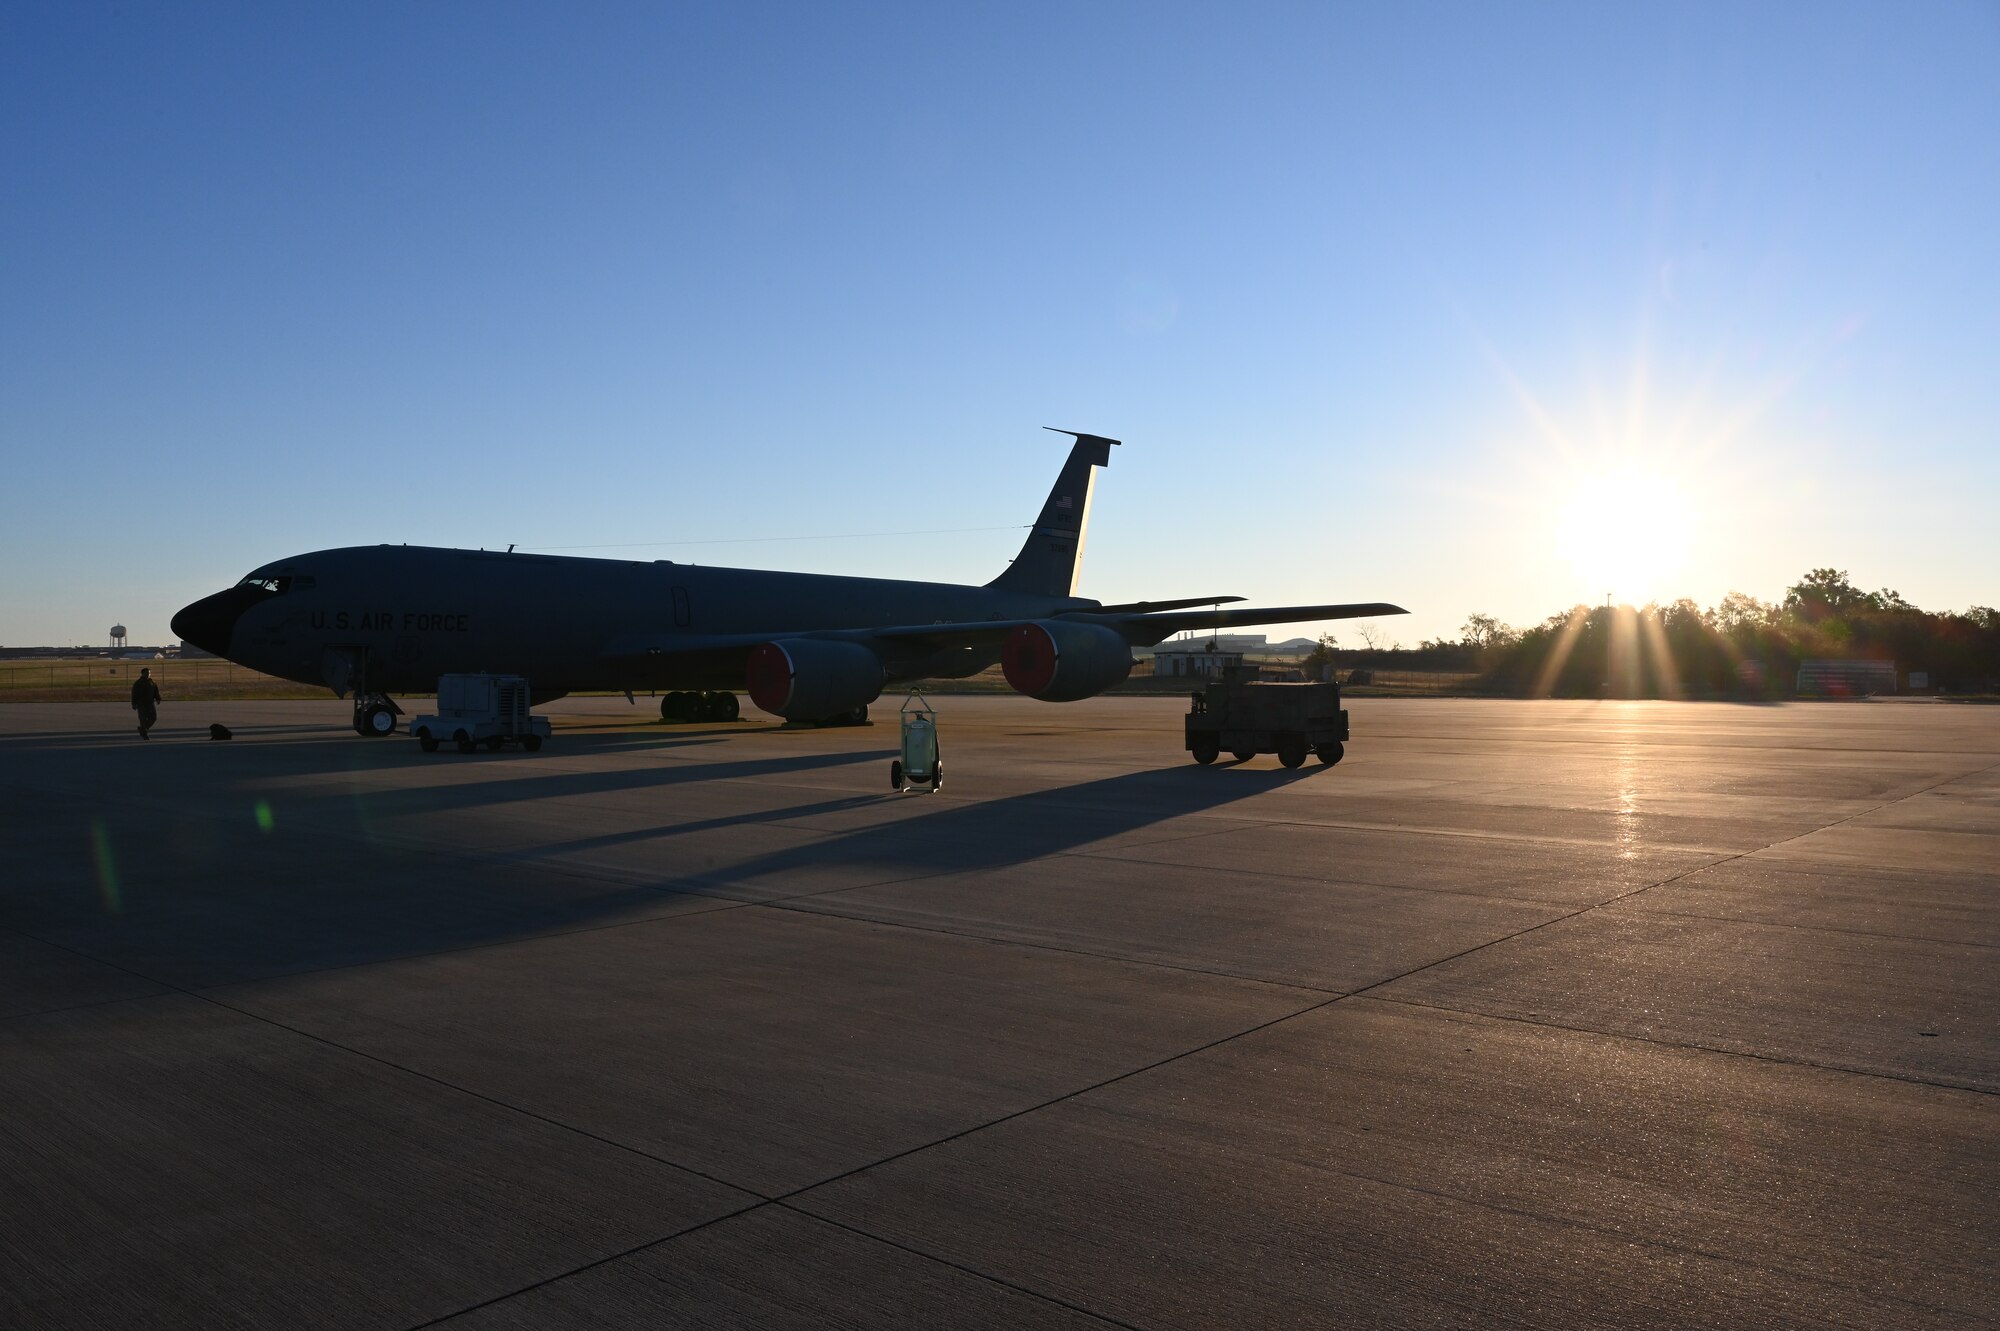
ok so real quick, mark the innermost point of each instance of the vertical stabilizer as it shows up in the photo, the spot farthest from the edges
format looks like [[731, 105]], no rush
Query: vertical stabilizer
[[1047, 564]]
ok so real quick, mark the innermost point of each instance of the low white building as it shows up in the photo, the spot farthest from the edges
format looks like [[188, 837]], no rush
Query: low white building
[[1192, 658]]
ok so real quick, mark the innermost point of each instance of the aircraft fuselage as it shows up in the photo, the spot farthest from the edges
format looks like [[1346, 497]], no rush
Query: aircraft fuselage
[[413, 613]]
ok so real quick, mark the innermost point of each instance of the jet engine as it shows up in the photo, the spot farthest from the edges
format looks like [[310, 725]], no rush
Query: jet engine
[[813, 679], [1061, 662]]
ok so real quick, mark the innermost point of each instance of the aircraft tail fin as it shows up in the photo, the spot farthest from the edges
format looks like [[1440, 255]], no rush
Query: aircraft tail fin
[[1049, 558]]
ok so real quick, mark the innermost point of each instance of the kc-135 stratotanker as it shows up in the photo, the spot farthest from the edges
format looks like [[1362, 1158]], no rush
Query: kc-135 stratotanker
[[375, 620]]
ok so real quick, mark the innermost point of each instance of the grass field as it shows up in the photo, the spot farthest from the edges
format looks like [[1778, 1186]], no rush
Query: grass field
[[96, 678]]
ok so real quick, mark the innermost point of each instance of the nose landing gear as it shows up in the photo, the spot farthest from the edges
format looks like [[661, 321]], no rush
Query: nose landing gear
[[375, 715]]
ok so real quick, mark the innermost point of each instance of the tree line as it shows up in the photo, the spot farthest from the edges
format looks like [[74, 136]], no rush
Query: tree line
[[1742, 645]]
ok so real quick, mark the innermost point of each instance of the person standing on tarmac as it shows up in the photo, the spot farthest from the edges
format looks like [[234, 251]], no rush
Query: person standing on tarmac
[[146, 701]]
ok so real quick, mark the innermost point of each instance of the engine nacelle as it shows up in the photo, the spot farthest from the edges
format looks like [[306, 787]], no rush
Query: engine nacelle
[[811, 679], [1061, 662]]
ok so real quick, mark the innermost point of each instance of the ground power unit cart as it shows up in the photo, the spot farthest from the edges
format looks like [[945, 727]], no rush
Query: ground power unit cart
[[1244, 717], [481, 709]]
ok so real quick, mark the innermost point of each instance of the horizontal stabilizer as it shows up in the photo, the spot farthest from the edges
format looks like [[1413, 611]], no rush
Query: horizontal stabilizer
[[1154, 607], [1146, 631]]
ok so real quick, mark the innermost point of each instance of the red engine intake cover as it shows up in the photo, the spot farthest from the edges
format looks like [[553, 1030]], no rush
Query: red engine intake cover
[[769, 673], [1028, 659]]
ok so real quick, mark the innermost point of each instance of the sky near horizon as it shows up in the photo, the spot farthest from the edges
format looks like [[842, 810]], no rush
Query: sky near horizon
[[1467, 307]]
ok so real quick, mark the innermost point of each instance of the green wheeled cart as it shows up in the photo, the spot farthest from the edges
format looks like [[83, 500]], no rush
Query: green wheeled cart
[[918, 768]]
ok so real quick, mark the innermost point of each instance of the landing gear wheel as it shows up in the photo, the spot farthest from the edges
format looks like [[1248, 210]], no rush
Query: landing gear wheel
[[464, 742], [1332, 753], [724, 707], [701, 707], [1243, 755], [427, 741], [857, 717], [531, 742], [896, 774], [1206, 751], [677, 707], [1292, 750]]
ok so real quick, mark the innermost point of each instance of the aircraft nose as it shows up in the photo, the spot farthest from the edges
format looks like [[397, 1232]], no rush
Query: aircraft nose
[[209, 622]]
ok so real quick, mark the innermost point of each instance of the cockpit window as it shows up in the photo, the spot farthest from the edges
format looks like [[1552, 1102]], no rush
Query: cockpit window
[[274, 584]]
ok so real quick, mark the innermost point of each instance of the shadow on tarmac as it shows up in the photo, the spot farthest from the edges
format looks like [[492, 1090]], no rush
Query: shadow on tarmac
[[268, 879]]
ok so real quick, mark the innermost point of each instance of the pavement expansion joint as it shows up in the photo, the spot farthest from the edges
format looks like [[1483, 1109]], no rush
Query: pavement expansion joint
[[1688, 1045]]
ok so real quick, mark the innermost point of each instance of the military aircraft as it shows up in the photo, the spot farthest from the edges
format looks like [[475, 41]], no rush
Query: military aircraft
[[382, 619]]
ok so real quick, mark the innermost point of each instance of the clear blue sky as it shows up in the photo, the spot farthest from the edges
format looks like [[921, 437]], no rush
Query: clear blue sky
[[1369, 292]]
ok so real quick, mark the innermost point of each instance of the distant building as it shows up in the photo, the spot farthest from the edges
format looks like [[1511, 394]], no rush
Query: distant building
[[1846, 679], [1192, 658]]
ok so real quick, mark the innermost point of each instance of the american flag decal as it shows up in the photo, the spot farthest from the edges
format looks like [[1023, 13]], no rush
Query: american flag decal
[[1064, 502]]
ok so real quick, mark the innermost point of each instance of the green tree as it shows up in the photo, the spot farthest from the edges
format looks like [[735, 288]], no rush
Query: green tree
[[1825, 593], [1319, 657]]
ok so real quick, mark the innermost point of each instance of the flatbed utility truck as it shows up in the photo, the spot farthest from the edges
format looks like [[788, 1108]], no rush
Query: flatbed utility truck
[[481, 709], [1243, 716]]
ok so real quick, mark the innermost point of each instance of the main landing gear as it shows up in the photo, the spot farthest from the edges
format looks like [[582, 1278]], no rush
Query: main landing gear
[[375, 715], [684, 705]]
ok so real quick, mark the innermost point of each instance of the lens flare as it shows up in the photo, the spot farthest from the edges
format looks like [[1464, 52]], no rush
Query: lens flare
[[107, 867]]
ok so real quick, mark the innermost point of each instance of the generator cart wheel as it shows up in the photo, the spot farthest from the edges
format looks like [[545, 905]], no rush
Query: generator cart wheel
[[1292, 750], [1205, 751], [464, 741], [895, 774], [427, 741], [937, 775], [1332, 753], [1243, 755], [531, 742]]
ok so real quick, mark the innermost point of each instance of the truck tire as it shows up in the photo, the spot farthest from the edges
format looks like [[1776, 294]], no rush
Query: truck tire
[[1205, 751], [1332, 753], [531, 742], [1292, 750], [1243, 755], [427, 741], [464, 742]]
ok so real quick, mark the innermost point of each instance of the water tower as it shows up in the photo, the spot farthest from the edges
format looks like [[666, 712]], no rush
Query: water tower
[[117, 636]]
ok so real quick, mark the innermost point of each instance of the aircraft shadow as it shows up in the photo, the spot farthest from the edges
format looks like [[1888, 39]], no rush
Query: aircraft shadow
[[202, 901], [920, 836]]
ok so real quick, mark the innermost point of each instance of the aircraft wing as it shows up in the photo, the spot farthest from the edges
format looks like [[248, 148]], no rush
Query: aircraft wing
[[1139, 628]]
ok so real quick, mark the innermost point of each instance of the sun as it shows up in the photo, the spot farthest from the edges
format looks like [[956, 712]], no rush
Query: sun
[[1627, 531]]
